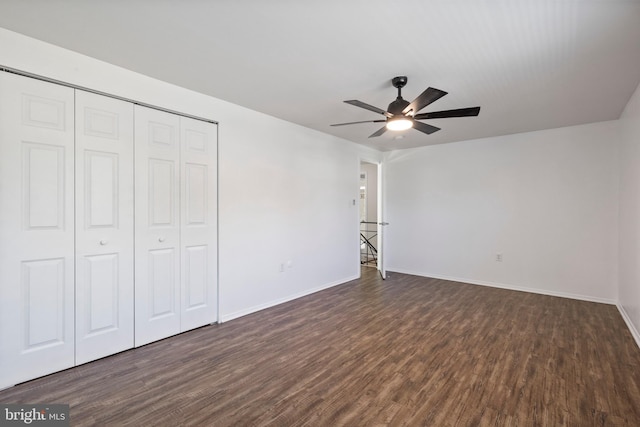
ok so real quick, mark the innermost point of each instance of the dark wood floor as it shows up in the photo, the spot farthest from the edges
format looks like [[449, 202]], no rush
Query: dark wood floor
[[408, 351]]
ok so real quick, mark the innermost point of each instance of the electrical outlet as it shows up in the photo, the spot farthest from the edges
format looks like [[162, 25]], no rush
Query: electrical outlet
[[499, 257]]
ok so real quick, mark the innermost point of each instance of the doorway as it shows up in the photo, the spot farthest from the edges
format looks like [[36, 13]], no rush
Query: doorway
[[370, 198]]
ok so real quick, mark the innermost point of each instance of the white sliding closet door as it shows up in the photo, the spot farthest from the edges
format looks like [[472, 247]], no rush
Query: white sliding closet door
[[199, 222], [176, 224], [157, 225], [104, 226], [36, 228]]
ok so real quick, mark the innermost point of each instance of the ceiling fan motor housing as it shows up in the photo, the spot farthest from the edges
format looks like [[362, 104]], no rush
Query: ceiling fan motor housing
[[397, 106]]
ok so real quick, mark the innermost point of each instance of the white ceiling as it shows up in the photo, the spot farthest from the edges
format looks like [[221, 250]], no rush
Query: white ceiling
[[530, 65]]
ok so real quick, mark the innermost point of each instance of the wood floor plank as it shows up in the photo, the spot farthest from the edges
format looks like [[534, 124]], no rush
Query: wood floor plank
[[406, 351]]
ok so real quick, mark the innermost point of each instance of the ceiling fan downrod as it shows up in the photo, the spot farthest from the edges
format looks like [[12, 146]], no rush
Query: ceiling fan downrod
[[399, 104]]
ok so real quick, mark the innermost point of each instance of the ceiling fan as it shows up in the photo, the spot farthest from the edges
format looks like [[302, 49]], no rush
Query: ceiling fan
[[401, 114]]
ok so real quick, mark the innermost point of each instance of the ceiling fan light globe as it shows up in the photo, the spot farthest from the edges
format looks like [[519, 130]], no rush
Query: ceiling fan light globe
[[399, 124]]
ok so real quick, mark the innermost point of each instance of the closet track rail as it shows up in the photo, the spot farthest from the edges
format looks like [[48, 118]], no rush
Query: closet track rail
[[97, 92]]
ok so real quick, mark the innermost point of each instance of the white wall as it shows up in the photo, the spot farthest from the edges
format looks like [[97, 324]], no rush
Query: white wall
[[285, 191], [547, 201], [629, 290], [286, 195]]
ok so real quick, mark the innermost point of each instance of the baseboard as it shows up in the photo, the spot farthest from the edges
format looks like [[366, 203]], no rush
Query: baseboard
[[226, 317], [630, 325], [512, 288]]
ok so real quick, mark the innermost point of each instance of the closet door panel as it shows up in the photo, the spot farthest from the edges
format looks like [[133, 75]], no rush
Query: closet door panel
[[104, 226], [198, 223], [36, 229], [157, 225]]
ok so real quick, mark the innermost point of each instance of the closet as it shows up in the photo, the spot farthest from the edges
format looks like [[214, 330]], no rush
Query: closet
[[108, 227]]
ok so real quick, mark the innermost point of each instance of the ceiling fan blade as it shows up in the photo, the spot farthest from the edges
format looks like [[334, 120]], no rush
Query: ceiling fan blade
[[460, 112], [353, 123], [425, 98], [366, 106], [423, 127], [379, 132]]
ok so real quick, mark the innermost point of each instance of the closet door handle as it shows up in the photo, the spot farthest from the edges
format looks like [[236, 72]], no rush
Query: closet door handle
[[161, 239], [103, 242]]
